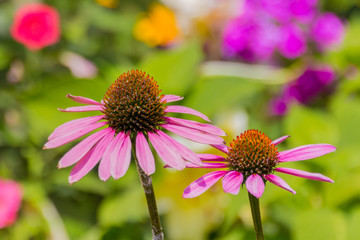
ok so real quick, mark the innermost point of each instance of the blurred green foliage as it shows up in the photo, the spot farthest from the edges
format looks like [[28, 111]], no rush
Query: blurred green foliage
[[91, 209]]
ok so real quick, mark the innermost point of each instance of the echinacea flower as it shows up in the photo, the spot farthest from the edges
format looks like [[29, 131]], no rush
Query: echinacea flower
[[133, 112], [10, 201], [252, 158], [36, 25]]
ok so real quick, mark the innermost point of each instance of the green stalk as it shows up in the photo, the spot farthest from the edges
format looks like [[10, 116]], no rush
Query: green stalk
[[255, 212], [146, 183]]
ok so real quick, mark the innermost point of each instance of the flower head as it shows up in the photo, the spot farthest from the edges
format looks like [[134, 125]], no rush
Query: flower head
[[252, 159], [133, 112], [36, 25], [10, 201]]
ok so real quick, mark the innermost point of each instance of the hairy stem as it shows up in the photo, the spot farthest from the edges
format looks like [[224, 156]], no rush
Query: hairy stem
[[255, 212], [146, 183]]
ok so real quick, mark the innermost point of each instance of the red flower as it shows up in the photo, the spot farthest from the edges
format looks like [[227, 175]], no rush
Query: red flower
[[36, 26]]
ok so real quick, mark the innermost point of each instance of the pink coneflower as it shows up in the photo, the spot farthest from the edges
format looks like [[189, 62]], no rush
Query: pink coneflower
[[10, 201], [133, 112], [252, 159], [36, 25]]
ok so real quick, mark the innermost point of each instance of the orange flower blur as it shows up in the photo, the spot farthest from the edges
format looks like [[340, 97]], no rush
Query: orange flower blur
[[158, 28]]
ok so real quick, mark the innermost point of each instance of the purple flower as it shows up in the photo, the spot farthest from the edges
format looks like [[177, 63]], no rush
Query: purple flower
[[293, 41], [133, 113], [327, 31], [314, 81], [250, 38], [252, 158]]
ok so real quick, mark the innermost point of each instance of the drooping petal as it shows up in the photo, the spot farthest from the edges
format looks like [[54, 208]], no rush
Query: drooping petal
[[89, 161], [193, 134], [171, 98], [278, 181], [211, 157], [105, 163], [181, 149], [59, 141], [232, 181], [86, 108], [221, 147], [167, 154], [144, 154], [304, 174], [196, 125], [120, 157], [77, 152], [255, 185], [305, 152], [202, 184], [182, 109], [83, 100], [74, 125], [206, 165], [280, 140]]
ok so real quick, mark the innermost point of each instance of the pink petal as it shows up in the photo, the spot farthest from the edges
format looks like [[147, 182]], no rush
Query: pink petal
[[196, 125], [144, 154], [56, 142], [181, 149], [221, 147], [202, 184], [278, 181], [231, 182], [77, 152], [304, 174], [74, 125], [83, 100], [193, 135], [120, 157], [255, 185], [206, 165], [171, 98], [167, 154], [211, 157], [182, 109], [90, 159], [280, 140], [86, 108], [305, 152], [105, 163]]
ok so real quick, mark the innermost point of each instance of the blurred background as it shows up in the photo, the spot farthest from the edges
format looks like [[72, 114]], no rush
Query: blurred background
[[283, 67]]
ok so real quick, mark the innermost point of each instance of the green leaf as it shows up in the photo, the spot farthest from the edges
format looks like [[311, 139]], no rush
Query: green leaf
[[127, 206], [215, 93], [307, 126], [175, 69], [319, 224]]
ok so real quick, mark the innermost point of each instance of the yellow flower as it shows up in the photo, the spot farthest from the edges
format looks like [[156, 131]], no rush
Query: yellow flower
[[108, 3], [158, 28]]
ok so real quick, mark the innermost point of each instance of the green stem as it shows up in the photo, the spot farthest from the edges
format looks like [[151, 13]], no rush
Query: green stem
[[146, 183], [255, 212]]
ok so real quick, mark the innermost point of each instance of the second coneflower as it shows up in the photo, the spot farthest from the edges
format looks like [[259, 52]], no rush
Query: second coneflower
[[251, 160], [133, 112]]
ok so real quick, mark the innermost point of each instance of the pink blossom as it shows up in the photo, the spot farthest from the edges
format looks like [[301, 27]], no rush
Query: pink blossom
[[36, 25], [315, 81], [133, 113], [293, 41], [327, 31], [252, 159], [10, 201]]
